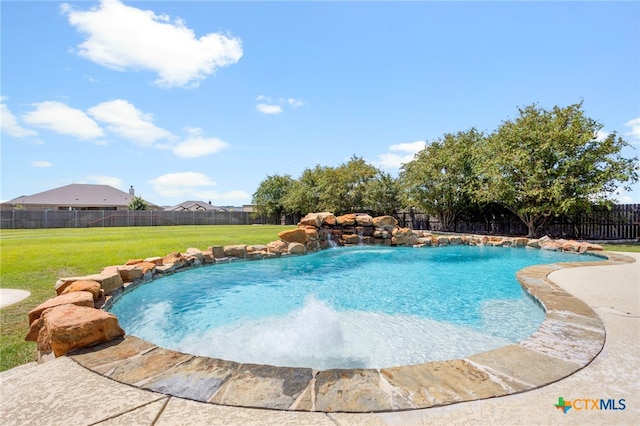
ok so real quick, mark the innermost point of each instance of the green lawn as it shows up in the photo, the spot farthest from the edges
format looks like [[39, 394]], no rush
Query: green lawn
[[33, 259], [631, 247]]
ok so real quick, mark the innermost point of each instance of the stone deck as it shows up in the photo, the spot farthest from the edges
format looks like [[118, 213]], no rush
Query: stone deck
[[570, 337]]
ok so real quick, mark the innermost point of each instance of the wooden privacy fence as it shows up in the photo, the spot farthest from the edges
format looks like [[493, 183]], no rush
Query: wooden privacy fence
[[622, 222], [19, 219]]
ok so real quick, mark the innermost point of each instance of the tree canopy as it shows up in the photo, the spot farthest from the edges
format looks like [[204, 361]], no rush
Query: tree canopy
[[547, 163], [441, 177], [269, 197]]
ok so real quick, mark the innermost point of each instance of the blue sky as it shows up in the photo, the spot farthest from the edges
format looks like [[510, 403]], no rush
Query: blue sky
[[202, 100]]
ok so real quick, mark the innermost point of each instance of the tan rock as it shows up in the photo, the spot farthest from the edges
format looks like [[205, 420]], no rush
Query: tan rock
[[91, 286], [293, 235], [382, 221], [455, 240], [278, 247], [156, 260], [297, 248], [351, 239], [400, 240], [147, 266], [174, 258], [71, 327], [346, 219], [218, 251], [236, 250], [318, 219], [134, 261], [312, 233], [80, 298], [109, 280], [130, 273], [364, 220]]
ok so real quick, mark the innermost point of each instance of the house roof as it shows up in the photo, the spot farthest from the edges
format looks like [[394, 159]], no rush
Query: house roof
[[190, 205], [77, 194]]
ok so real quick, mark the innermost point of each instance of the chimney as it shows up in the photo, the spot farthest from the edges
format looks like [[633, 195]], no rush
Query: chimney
[[132, 191]]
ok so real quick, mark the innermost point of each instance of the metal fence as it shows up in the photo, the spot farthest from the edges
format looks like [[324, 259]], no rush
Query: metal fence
[[621, 222], [21, 219]]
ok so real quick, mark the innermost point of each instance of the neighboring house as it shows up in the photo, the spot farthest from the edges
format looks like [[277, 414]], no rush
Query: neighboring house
[[77, 196], [195, 206]]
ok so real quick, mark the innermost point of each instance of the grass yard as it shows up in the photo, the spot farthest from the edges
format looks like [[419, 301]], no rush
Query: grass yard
[[33, 259], [631, 247]]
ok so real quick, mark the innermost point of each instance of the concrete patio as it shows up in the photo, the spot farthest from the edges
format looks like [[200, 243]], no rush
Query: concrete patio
[[63, 392]]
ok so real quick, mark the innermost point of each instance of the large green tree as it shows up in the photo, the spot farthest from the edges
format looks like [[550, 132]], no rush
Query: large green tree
[[269, 197], [547, 163], [304, 195], [346, 186], [383, 195], [440, 179]]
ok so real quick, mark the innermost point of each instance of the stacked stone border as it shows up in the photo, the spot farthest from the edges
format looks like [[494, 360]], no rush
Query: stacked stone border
[[75, 323]]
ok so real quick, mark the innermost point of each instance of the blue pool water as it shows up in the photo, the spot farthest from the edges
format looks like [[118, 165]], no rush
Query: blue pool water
[[357, 307]]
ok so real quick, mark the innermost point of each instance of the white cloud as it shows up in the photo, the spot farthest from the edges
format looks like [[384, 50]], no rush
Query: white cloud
[[196, 186], [635, 129], [63, 119], [129, 122], [295, 102], [41, 164], [276, 106], [601, 135], [399, 154], [198, 146], [269, 109], [9, 124], [126, 38]]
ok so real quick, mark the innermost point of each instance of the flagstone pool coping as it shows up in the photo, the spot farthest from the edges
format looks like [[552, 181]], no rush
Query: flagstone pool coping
[[569, 338]]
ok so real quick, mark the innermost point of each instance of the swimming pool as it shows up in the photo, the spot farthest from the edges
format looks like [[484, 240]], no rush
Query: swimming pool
[[357, 307]]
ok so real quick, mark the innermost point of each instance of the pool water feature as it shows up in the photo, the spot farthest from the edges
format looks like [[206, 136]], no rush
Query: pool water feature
[[357, 307]]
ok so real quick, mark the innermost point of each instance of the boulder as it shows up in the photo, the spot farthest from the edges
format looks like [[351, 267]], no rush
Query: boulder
[[351, 239], [346, 219], [455, 240], [297, 235], [385, 221], [80, 298], [68, 327], [156, 260], [278, 247], [109, 280], [364, 220], [312, 233], [197, 253], [520, 242], [90, 286], [174, 258], [134, 261], [236, 250], [317, 219], [297, 248], [130, 273], [400, 240], [534, 244], [218, 251]]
